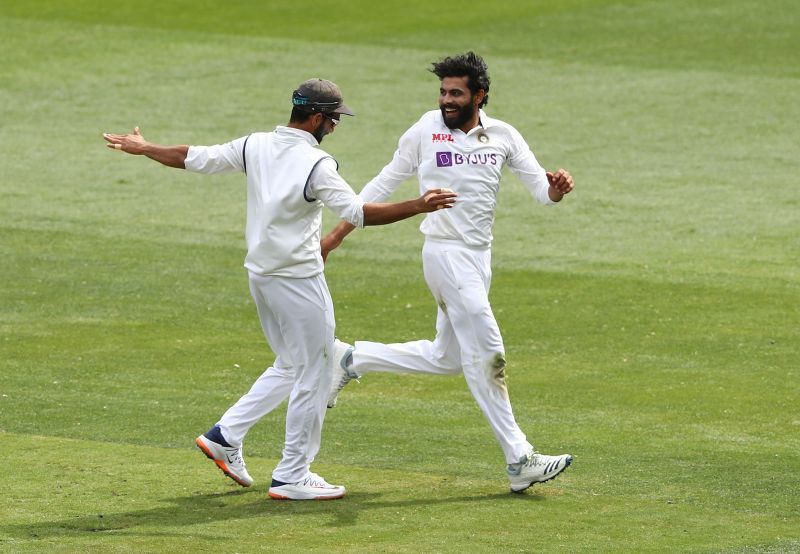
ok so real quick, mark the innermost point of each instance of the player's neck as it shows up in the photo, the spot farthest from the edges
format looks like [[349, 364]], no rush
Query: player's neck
[[472, 123]]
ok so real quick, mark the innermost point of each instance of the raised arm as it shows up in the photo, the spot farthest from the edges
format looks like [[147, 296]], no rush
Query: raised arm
[[134, 143]]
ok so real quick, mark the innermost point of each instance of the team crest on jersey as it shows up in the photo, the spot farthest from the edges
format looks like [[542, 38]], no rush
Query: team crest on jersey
[[442, 137]]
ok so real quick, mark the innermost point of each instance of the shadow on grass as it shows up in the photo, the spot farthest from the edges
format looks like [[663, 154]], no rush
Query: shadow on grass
[[200, 509]]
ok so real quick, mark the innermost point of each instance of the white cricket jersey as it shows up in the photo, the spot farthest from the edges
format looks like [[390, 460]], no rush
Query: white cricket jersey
[[289, 179], [468, 163]]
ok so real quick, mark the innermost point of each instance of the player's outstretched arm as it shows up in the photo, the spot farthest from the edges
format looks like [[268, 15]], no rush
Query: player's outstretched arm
[[134, 143], [432, 200], [380, 214], [560, 184]]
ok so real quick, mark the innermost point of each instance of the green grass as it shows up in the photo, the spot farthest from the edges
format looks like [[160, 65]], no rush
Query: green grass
[[651, 321]]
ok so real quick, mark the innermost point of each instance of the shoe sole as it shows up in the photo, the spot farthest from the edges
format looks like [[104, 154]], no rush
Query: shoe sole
[[220, 463], [532, 483], [277, 496]]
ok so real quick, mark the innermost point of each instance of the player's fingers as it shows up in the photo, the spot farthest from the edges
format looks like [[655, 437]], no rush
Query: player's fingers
[[436, 195], [444, 200], [436, 191], [445, 197], [115, 138], [136, 130]]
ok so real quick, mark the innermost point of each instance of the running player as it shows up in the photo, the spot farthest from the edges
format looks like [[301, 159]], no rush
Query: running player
[[459, 147]]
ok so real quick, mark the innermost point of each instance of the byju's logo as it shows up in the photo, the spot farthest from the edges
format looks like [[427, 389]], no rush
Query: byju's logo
[[449, 159], [444, 159]]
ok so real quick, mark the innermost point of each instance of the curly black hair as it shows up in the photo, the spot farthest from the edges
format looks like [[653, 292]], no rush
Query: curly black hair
[[468, 65]]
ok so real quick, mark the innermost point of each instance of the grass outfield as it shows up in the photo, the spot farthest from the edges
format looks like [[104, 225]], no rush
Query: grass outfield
[[651, 321]]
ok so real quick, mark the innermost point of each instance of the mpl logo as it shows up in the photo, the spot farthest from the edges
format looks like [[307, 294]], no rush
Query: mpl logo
[[444, 159], [442, 137]]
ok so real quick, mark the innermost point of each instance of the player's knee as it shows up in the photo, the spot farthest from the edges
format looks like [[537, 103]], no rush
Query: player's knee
[[496, 366]]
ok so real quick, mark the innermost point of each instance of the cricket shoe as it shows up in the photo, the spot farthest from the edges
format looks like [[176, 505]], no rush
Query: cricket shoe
[[313, 487], [342, 374], [228, 458], [536, 468]]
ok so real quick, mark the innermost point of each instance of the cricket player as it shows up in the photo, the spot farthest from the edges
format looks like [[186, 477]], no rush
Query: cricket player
[[289, 179], [460, 147]]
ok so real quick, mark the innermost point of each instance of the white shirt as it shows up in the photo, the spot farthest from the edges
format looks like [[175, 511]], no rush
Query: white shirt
[[289, 179], [468, 163]]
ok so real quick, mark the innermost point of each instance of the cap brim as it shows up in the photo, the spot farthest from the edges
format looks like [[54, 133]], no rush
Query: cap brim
[[343, 110]]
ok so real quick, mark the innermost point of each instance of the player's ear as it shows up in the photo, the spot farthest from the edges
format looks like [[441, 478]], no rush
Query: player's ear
[[479, 96]]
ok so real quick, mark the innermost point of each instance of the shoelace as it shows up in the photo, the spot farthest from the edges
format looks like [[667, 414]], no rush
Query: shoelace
[[237, 456], [537, 460], [314, 480], [346, 378], [342, 382], [534, 460]]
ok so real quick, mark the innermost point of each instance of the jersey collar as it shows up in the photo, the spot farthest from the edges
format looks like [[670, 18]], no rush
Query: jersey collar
[[296, 133]]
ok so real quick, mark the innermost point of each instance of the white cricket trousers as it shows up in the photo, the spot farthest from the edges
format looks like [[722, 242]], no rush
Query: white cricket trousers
[[298, 322], [467, 338]]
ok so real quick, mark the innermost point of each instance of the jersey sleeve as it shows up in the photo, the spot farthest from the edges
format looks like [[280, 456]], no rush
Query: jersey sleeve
[[523, 163], [404, 164], [325, 184], [220, 158]]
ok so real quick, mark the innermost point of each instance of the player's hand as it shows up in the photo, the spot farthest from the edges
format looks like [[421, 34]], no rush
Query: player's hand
[[561, 181], [329, 242], [437, 199], [132, 143]]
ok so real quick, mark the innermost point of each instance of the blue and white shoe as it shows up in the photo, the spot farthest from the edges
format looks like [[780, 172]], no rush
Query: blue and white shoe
[[228, 458], [342, 374], [536, 468], [313, 487]]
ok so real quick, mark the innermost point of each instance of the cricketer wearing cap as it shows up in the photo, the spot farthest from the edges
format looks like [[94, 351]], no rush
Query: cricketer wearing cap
[[461, 148], [289, 179]]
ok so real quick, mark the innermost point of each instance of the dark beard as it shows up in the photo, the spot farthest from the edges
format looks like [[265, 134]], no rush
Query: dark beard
[[462, 116], [319, 133]]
